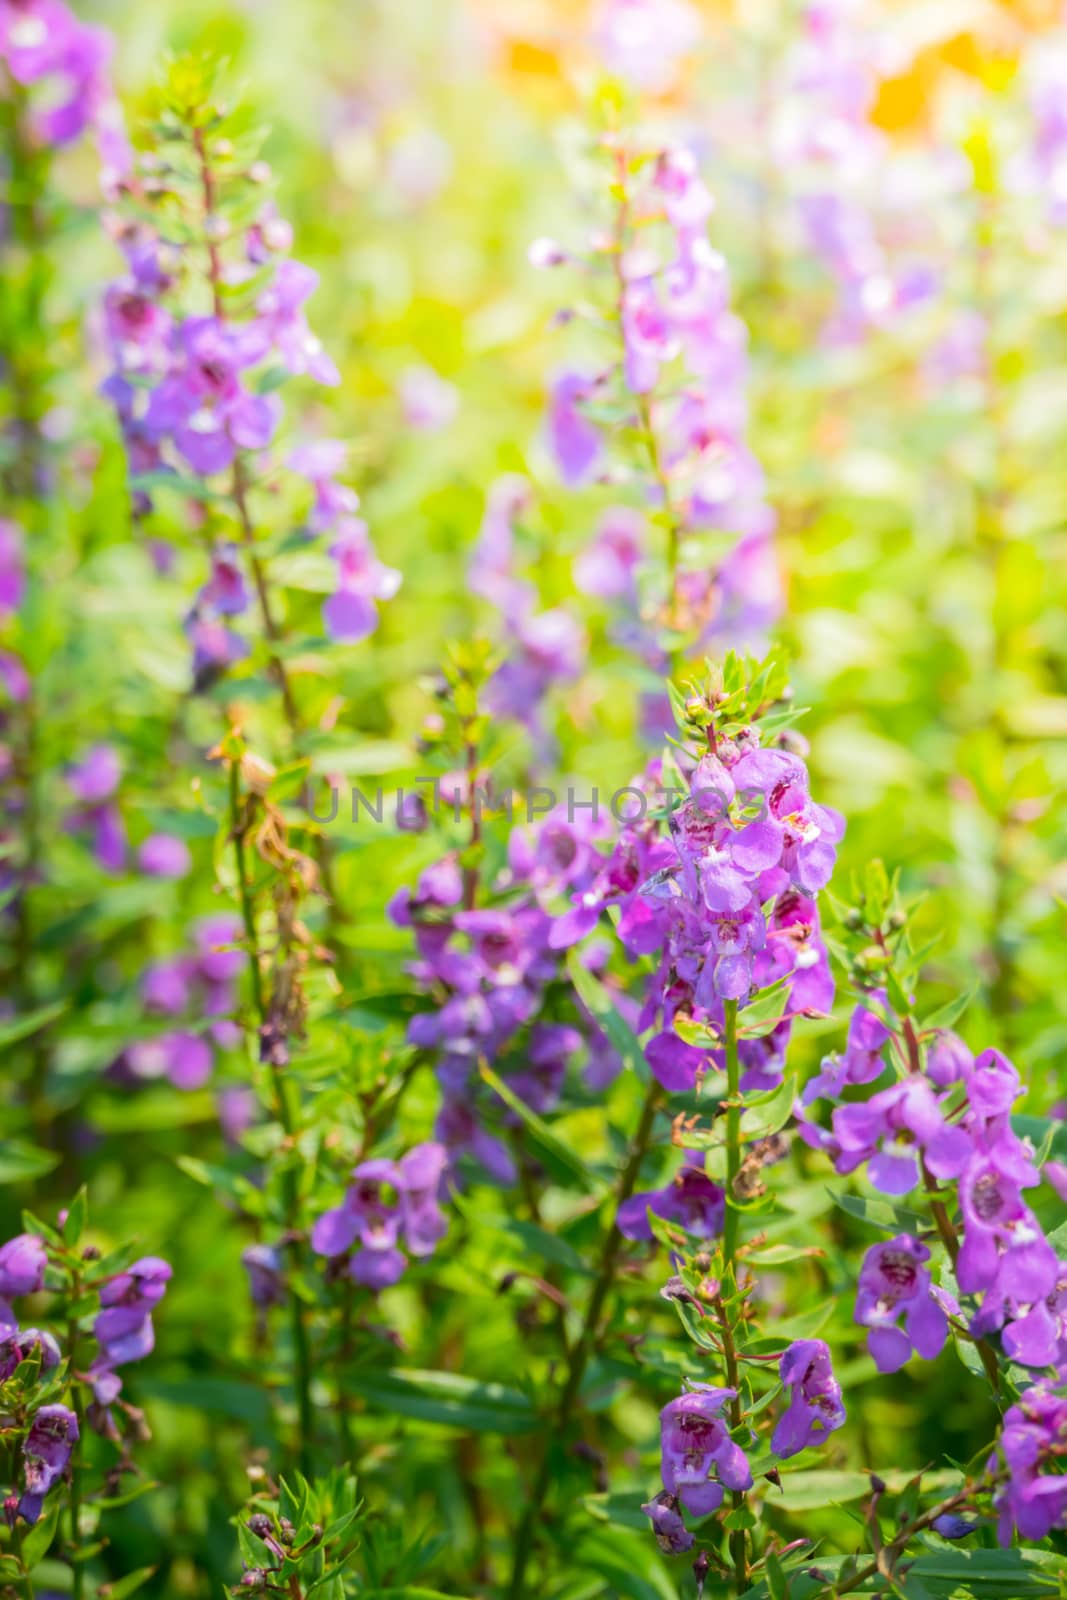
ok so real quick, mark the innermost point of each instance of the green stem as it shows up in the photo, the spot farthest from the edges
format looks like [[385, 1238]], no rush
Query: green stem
[[77, 1567], [25, 1582], [284, 1112], [738, 1537], [892, 1552], [583, 1347]]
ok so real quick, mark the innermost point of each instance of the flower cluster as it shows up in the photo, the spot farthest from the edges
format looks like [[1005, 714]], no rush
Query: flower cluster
[[124, 1332], [197, 391], [387, 1203], [836, 158], [695, 1442], [488, 968], [543, 647], [1032, 1500], [726, 894], [196, 986], [64, 63], [691, 1199], [678, 386], [946, 1117]]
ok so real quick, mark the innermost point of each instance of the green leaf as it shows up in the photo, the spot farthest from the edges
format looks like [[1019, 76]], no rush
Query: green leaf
[[16, 1028], [557, 1156], [38, 1542], [951, 1012], [191, 488], [537, 1241], [762, 1014], [881, 1214], [762, 1117], [77, 1216], [777, 1582], [21, 1162], [127, 1585], [598, 1002], [221, 1179], [991, 1574], [447, 1398]]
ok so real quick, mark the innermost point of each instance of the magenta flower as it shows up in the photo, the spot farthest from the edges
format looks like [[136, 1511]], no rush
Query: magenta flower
[[894, 1283], [696, 1442], [815, 1406]]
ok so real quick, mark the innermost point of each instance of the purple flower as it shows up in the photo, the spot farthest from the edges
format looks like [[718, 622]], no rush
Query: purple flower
[[815, 1405], [895, 1284], [896, 1129], [421, 1172], [947, 1059], [644, 41], [606, 568], [429, 402], [671, 1533], [1033, 1500], [17, 1345], [695, 1441], [388, 1202], [23, 1260], [862, 1059], [266, 1280], [123, 1327], [12, 573], [1004, 1251], [951, 1526], [575, 440], [93, 781], [45, 1454], [162, 855], [692, 1199]]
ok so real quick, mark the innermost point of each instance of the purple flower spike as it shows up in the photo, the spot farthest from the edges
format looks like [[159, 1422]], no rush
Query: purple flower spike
[[815, 1405], [894, 1283], [695, 1440]]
